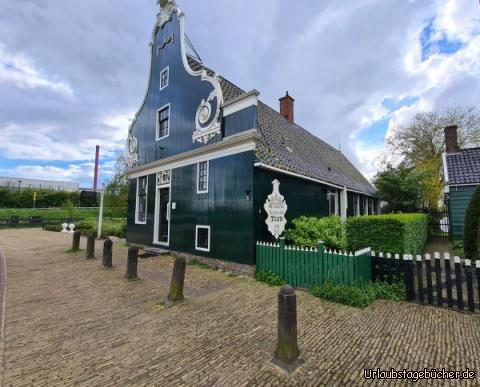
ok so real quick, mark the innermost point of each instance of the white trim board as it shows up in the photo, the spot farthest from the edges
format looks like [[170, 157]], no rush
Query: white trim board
[[242, 102], [240, 143], [285, 172], [445, 167]]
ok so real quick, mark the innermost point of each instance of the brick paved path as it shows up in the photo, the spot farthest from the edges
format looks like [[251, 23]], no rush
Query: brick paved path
[[71, 322]]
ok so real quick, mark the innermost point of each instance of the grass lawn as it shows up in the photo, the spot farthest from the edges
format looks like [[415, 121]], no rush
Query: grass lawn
[[54, 213]]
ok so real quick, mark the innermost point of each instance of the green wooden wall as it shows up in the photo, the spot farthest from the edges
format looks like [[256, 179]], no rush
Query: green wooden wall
[[458, 201], [224, 208], [303, 197]]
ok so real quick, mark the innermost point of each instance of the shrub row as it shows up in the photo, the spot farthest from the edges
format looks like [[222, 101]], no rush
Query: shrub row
[[23, 198], [360, 295], [110, 227], [398, 233]]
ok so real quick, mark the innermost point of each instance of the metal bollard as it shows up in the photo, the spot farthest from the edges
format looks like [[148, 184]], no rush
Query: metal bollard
[[107, 253], [132, 263], [287, 354], [178, 279], [76, 241], [90, 247]]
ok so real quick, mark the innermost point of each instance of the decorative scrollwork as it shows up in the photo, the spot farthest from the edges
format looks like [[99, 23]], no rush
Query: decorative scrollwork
[[207, 124], [163, 178]]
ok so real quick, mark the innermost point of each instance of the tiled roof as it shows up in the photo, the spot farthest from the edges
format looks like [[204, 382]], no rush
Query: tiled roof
[[463, 167], [290, 147]]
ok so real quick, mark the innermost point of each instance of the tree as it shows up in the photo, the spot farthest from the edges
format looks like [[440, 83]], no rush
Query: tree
[[398, 186], [116, 191], [421, 143], [472, 227]]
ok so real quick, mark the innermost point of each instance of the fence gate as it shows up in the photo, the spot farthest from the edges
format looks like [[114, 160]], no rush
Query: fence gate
[[436, 280], [438, 224]]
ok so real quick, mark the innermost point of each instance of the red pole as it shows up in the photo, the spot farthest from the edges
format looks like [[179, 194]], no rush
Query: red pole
[[95, 175]]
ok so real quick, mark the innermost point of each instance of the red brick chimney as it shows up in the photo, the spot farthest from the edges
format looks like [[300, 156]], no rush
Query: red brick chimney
[[286, 107], [451, 139]]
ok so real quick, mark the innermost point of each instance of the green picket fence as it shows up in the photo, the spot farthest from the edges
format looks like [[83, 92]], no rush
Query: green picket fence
[[307, 267]]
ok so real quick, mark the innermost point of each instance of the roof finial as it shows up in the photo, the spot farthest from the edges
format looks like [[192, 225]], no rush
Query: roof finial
[[163, 3]]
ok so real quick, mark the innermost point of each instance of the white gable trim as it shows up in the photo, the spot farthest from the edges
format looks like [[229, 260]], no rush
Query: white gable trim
[[445, 167], [242, 102], [239, 143]]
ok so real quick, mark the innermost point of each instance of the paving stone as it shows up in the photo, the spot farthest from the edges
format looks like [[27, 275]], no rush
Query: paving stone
[[71, 322]]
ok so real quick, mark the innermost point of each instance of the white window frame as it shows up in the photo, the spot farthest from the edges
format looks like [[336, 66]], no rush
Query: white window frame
[[196, 238], [167, 70], [157, 130], [137, 203], [198, 176]]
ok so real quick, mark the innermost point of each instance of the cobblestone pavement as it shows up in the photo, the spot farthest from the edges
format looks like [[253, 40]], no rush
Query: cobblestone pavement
[[71, 322]]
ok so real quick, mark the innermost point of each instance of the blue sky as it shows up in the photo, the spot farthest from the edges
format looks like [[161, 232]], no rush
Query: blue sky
[[73, 74]]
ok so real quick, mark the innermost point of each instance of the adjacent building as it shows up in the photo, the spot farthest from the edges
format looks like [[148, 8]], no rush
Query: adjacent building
[[212, 169], [21, 183], [461, 169]]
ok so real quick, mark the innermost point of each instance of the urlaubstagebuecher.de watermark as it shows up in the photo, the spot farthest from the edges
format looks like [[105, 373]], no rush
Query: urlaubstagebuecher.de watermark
[[415, 376]]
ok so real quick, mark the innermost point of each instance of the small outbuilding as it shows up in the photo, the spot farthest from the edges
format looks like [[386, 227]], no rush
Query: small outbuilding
[[462, 176]]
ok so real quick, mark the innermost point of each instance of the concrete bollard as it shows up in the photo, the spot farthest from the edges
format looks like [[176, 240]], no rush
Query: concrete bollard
[[132, 263], [76, 241], [287, 354], [90, 247], [178, 279], [107, 253]]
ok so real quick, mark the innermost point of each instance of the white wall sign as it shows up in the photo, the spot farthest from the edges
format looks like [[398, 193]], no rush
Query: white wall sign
[[276, 208]]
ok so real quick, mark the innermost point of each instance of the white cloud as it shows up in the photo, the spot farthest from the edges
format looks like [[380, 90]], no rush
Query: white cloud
[[20, 71]]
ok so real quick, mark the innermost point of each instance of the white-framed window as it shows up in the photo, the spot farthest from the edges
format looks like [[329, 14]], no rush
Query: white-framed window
[[202, 238], [163, 122], [356, 205], [141, 205], [164, 78], [202, 177], [332, 197]]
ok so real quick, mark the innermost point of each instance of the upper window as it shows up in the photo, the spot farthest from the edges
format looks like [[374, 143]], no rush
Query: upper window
[[202, 177], [141, 210], [202, 238], [163, 122], [164, 75]]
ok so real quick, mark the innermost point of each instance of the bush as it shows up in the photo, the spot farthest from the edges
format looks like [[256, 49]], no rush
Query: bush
[[270, 278], [110, 227], [472, 228], [359, 295], [399, 233], [53, 227], [308, 231]]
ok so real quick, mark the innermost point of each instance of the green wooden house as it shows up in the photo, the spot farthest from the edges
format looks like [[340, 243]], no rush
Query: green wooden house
[[212, 169], [462, 176]]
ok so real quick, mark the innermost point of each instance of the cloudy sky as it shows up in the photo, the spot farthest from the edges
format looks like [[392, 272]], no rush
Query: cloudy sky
[[73, 73]]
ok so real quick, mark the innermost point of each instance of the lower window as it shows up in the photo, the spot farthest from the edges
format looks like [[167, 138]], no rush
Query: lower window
[[202, 238]]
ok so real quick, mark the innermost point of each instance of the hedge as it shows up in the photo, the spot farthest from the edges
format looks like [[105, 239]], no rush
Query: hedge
[[308, 231], [23, 198], [398, 233]]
